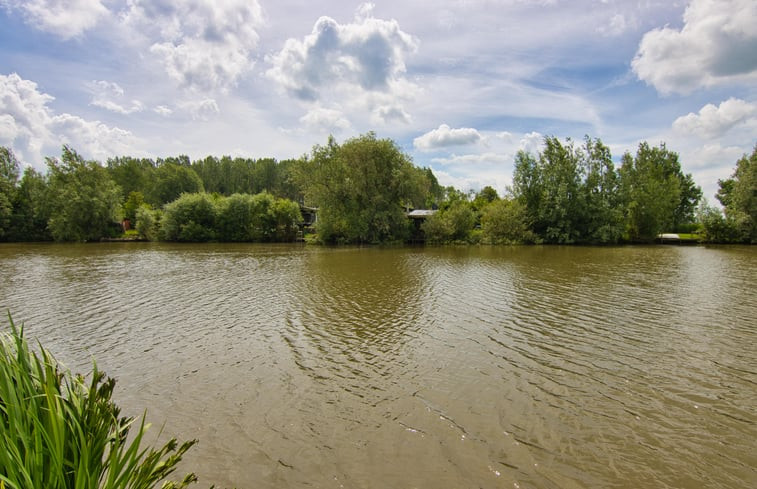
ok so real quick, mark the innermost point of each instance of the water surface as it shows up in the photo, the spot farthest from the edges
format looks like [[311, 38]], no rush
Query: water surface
[[529, 367]]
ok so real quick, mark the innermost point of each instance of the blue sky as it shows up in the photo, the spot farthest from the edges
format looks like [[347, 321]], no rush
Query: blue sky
[[460, 85]]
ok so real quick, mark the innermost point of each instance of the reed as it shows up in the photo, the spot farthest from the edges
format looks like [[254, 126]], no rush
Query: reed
[[59, 430]]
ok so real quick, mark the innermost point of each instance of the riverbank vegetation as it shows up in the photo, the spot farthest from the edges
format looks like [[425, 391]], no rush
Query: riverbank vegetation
[[569, 192], [61, 431]]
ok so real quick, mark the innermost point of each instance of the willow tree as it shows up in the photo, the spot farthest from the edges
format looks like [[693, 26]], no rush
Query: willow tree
[[84, 200], [362, 189]]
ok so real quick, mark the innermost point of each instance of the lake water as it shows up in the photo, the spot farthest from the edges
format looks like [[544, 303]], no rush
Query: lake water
[[522, 367]]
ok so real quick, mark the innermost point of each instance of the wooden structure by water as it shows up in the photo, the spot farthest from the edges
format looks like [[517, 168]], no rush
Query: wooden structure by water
[[419, 216]]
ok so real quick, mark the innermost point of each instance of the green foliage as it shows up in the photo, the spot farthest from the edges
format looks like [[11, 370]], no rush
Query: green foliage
[[717, 228], [484, 197], [506, 222], [451, 224], [287, 218], [569, 193], [84, 200], [238, 218], [134, 201], [361, 189], [169, 181], [191, 217], [658, 197], [9, 168], [739, 196], [31, 209], [60, 431], [148, 223], [131, 174]]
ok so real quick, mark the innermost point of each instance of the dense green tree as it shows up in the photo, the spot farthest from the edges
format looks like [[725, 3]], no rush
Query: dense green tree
[[148, 223], [603, 214], [454, 222], [360, 189], [84, 200], [550, 188], [235, 221], [287, 219], [134, 201], [9, 168], [657, 196], [131, 174], [191, 217], [738, 194], [484, 197], [505, 221], [169, 181], [31, 209]]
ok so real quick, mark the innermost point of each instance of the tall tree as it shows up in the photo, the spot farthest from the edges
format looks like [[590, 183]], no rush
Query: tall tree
[[85, 202], [31, 208], [657, 195], [131, 174], [9, 168], [738, 195], [360, 189], [550, 188], [603, 217], [169, 181]]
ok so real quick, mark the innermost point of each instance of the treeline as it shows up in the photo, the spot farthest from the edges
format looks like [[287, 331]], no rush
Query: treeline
[[79, 200], [217, 199], [573, 193], [568, 193]]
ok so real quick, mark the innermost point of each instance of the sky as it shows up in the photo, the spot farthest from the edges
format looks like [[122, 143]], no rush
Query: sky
[[461, 86]]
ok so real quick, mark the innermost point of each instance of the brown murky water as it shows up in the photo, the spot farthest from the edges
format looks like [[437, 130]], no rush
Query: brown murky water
[[532, 367]]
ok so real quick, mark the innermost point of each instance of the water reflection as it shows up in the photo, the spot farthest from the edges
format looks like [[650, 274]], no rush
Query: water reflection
[[437, 367]]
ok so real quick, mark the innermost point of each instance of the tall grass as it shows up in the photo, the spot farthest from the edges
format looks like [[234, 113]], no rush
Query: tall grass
[[59, 430]]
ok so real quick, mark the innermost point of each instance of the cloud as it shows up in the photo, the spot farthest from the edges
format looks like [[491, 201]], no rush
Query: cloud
[[110, 96], [323, 119], [390, 113], [163, 110], [531, 142], [712, 122], [200, 110], [482, 158], [203, 45], [64, 18], [445, 136], [717, 44], [359, 64], [617, 25], [33, 130]]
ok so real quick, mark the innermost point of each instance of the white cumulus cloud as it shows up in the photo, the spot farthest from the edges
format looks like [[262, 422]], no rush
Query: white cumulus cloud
[[323, 119], [64, 18], [445, 136], [714, 121], [717, 44], [33, 130], [203, 44], [361, 64]]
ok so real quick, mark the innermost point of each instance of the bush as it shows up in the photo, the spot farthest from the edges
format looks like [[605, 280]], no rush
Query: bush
[[506, 222], [58, 431], [191, 217], [148, 223]]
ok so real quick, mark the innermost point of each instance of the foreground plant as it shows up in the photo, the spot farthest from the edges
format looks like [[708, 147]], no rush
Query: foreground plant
[[60, 431]]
